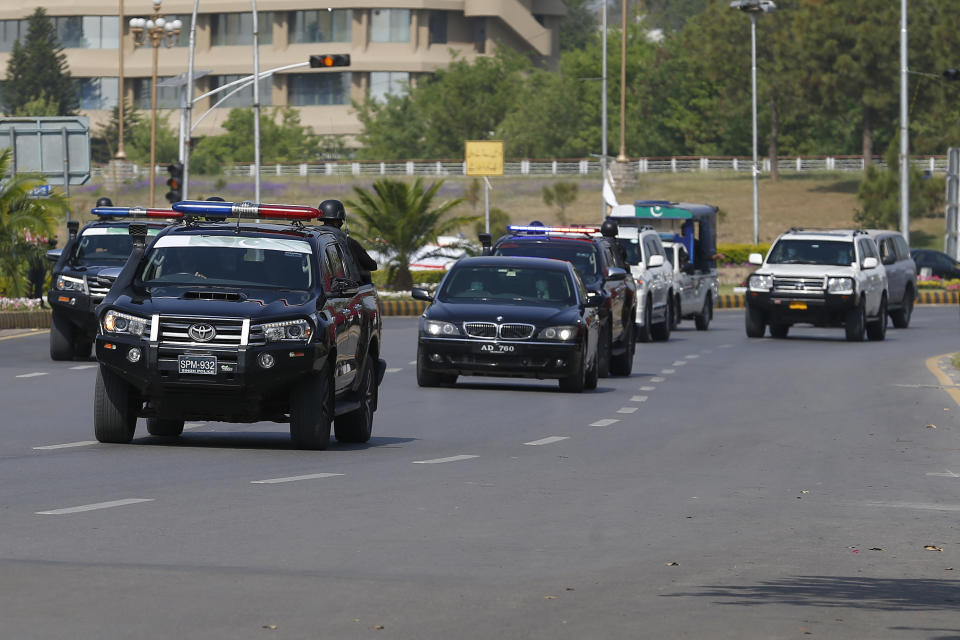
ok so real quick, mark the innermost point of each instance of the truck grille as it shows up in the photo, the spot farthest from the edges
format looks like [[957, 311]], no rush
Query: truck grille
[[798, 284], [508, 331], [227, 333], [99, 287]]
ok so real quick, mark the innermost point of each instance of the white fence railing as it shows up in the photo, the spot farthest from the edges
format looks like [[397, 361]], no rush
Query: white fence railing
[[932, 164]]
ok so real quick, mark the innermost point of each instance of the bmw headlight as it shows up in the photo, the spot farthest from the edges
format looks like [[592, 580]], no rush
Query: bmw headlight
[[290, 330], [124, 323], [760, 282], [562, 333], [438, 328], [67, 283], [839, 285]]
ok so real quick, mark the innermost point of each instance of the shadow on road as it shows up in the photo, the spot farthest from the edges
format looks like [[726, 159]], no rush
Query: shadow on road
[[274, 440], [886, 594]]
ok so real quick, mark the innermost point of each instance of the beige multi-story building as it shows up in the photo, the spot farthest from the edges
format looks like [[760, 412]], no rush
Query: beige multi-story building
[[393, 44]]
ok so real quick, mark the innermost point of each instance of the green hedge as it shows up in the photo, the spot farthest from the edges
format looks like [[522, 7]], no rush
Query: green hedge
[[419, 277], [739, 253]]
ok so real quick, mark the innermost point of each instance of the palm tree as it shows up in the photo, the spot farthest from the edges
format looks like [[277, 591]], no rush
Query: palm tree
[[398, 219], [18, 213]]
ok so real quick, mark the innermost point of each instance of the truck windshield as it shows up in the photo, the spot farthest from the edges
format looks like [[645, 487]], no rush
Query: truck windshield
[[547, 287], [229, 261], [825, 252], [104, 244], [583, 255]]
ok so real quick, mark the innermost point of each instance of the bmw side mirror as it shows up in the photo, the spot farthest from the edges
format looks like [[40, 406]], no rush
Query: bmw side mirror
[[755, 258], [870, 263], [419, 293], [54, 254], [655, 261], [616, 273]]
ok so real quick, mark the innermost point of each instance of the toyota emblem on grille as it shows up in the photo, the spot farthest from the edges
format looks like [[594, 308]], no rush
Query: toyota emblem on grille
[[202, 332]]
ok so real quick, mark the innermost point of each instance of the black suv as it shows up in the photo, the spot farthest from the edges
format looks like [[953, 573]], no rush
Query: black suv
[[84, 271], [239, 322], [599, 258]]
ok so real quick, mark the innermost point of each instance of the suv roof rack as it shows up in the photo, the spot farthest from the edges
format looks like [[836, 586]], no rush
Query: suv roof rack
[[826, 230]]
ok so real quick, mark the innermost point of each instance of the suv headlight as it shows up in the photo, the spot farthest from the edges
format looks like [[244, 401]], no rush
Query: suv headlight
[[292, 330], [66, 283], [438, 328], [839, 285], [563, 333], [124, 323], [760, 283]]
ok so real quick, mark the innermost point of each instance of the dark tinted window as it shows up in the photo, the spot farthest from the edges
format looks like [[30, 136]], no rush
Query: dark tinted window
[[583, 255], [228, 266], [526, 285]]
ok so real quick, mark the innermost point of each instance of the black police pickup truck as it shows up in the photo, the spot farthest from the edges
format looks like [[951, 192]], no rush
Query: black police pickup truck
[[85, 270], [239, 322], [597, 255]]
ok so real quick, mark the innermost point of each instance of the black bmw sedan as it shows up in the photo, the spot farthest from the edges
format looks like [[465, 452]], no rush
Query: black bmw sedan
[[512, 317]]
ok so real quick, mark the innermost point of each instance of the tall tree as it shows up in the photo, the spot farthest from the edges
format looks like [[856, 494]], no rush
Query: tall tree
[[578, 26], [37, 68]]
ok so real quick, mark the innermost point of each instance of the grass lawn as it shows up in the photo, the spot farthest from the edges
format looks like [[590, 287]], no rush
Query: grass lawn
[[822, 199]]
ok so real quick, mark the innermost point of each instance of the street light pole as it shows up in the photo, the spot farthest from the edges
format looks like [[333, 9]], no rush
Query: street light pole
[[754, 8], [603, 114], [154, 31], [904, 131], [622, 156], [121, 154]]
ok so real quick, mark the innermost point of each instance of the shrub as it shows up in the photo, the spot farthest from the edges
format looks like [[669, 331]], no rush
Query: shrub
[[739, 253]]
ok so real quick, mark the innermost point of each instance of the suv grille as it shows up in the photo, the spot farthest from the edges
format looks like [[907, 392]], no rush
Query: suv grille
[[509, 331], [228, 333], [99, 287], [798, 284]]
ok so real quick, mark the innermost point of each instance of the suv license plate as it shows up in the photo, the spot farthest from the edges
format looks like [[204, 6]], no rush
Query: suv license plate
[[497, 348], [197, 365], [800, 306]]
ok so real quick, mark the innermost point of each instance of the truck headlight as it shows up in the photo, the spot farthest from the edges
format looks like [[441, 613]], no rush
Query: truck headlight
[[124, 323], [562, 333], [67, 283], [839, 285], [760, 282], [291, 330], [438, 328]]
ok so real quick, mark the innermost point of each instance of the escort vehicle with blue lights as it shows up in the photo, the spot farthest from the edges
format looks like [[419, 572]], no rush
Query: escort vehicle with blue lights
[[511, 317], [827, 278], [597, 256], [84, 272], [222, 318], [686, 285]]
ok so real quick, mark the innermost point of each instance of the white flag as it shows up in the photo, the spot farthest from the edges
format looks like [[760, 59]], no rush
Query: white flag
[[609, 197]]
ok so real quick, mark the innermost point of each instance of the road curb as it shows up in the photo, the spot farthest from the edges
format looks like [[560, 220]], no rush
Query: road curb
[[942, 369], [39, 319]]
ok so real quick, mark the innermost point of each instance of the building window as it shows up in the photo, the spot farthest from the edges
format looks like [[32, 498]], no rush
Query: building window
[[183, 40], [384, 83], [321, 26], [319, 88], [10, 32], [390, 25], [88, 32], [438, 27], [167, 97], [480, 35], [97, 93], [232, 29], [243, 97]]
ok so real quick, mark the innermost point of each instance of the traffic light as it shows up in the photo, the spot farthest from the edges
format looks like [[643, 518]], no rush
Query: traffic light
[[330, 60], [952, 74], [175, 182]]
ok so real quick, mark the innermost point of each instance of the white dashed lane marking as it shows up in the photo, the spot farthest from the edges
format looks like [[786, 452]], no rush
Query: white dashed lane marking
[[394, 370], [412, 362], [667, 372], [310, 476], [550, 440], [638, 399], [83, 366], [692, 356], [626, 410], [948, 474], [442, 460], [194, 425], [94, 507], [31, 375], [66, 445], [679, 363], [647, 388], [606, 422], [657, 379]]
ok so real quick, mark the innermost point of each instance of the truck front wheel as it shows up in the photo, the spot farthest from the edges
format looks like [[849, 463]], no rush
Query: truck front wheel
[[706, 314], [754, 321], [311, 410], [115, 405], [61, 337], [357, 426]]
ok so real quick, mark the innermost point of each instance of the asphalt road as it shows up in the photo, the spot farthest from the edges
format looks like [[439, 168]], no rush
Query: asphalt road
[[730, 488]]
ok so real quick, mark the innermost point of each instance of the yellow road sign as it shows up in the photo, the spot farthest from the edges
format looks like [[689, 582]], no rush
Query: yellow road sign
[[484, 157]]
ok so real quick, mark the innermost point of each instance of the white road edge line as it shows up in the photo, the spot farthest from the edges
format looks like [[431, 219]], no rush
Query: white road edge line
[[442, 460], [606, 422], [94, 507], [948, 474], [627, 410], [548, 440], [83, 366], [915, 505], [31, 375], [311, 476], [66, 445]]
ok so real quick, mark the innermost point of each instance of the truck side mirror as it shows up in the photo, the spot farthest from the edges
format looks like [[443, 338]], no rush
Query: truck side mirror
[[755, 258], [54, 254], [655, 260]]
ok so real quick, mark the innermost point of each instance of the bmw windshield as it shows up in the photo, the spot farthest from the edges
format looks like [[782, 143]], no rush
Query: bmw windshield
[[522, 285]]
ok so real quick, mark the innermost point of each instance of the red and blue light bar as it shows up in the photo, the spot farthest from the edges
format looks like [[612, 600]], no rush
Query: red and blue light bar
[[134, 212], [545, 230], [212, 208]]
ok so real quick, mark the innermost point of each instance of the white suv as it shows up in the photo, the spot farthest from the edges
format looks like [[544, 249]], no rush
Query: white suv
[[826, 278], [654, 275]]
